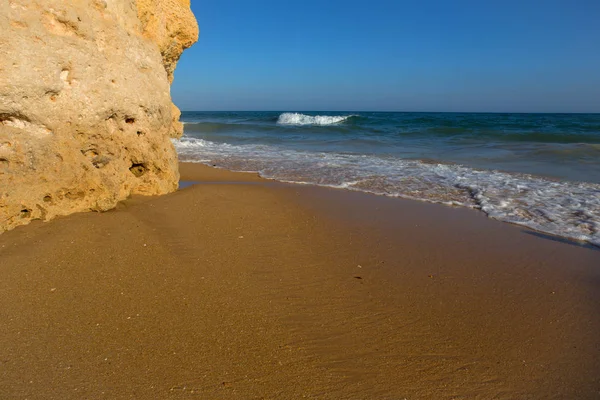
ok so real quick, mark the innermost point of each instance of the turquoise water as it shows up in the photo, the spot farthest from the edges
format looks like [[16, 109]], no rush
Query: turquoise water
[[537, 170]]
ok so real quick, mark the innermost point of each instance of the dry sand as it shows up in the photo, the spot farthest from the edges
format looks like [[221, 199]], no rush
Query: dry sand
[[238, 287]]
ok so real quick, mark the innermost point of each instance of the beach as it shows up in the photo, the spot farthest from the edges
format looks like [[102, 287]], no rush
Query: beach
[[241, 287], [300, 205]]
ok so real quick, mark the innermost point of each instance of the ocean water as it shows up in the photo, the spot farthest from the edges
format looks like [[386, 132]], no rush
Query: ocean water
[[537, 170]]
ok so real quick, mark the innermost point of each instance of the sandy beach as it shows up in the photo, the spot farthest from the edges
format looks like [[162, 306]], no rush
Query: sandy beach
[[240, 287]]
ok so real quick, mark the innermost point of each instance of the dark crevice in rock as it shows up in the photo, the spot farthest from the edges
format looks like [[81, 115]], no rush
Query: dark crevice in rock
[[10, 117], [20, 121], [138, 169], [89, 153]]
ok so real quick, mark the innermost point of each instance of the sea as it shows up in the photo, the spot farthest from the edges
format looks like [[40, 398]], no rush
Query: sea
[[541, 171]]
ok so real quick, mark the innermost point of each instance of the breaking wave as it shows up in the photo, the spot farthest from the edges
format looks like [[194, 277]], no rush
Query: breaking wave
[[302, 119]]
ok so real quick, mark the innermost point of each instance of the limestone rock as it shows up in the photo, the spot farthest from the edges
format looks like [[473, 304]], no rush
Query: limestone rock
[[86, 115], [169, 24]]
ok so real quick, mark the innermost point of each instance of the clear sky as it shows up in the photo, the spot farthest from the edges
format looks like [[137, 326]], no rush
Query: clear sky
[[384, 55]]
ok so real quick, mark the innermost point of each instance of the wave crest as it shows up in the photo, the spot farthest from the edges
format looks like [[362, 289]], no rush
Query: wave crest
[[302, 119]]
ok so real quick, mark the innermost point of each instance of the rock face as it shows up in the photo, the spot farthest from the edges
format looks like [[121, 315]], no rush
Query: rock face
[[86, 115]]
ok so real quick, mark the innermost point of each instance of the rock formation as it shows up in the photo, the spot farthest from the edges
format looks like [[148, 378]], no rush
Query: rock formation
[[86, 117]]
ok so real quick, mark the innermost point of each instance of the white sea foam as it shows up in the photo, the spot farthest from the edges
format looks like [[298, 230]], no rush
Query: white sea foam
[[568, 209], [302, 119]]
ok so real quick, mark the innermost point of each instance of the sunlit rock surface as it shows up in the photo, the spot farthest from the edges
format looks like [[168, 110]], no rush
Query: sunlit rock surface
[[86, 115]]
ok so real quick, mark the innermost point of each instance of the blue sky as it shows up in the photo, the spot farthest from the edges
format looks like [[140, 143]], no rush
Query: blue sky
[[380, 55]]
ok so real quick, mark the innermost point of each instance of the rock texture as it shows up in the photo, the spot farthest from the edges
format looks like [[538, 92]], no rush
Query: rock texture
[[86, 115]]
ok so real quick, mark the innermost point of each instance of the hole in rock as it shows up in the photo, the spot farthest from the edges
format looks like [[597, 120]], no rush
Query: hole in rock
[[130, 120], [47, 198], [140, 133], [75, 195], [25, 213], [89, 153], [138, 169]]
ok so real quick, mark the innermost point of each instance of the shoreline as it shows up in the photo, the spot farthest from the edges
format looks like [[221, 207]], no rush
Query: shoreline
[[256, 177], [245, 287], [541, 173]]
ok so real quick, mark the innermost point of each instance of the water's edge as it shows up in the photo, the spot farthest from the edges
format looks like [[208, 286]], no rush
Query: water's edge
[[537, 171], [543, 233]]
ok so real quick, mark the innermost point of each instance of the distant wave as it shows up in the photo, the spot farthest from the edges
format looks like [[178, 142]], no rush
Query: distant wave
[[302, 119]]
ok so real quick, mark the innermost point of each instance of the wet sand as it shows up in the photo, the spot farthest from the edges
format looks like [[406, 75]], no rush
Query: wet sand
[[238, 287]]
